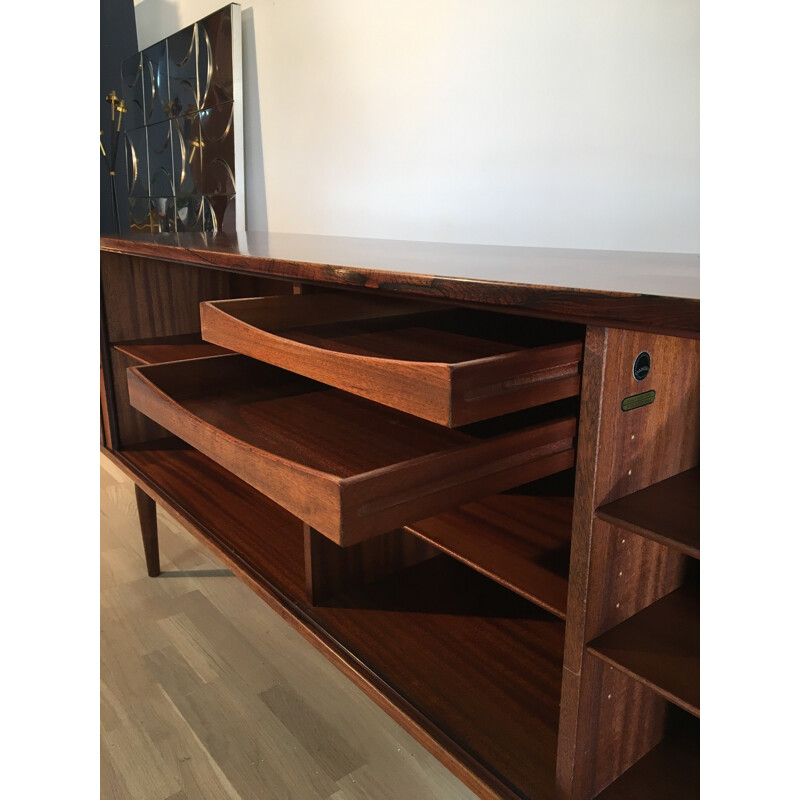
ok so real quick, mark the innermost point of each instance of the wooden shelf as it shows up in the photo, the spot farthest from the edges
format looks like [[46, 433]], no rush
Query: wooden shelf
[[481, 662], [667, 512], [478, 666], [670, 771], [519, 538], [452, 366], [660, 646], [348, 467], [169, 348]]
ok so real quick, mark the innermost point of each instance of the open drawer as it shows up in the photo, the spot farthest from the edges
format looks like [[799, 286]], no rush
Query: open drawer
[[348, 467], [452, 366]]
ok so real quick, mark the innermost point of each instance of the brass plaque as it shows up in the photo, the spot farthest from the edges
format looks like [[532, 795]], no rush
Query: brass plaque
[[638, 400]]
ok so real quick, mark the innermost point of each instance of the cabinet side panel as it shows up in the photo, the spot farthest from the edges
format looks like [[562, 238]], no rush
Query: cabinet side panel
[[619, 452]]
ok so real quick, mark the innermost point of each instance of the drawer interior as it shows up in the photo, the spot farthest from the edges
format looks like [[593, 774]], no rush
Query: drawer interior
[[347, 466], [404, 330], [449, 365]]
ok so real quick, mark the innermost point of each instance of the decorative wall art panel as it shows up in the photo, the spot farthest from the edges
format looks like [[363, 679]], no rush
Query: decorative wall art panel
[[137, 163], [187, 153], [133, 90], [183, 129], [156, 89]]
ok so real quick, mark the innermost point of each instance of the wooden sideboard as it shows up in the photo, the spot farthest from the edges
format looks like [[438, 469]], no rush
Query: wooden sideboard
[[469, 475]]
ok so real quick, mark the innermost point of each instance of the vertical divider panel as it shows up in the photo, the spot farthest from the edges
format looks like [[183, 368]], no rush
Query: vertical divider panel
[[332, 570], [612, 576]]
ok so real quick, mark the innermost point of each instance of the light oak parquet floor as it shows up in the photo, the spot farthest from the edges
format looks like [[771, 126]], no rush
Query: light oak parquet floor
[[207, 694]]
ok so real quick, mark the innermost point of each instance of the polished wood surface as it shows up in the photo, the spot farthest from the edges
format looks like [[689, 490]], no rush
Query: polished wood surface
[[105, 413], [671, 770], [332, 570], [450, 366], [207, 694], [661, 647], [169, 348], [646, 445], [146, 508], [629, 572], [641, 291], [348, 467], [620, 452], [621, 720], [147, 298], [667, 512], [147, 301], [483, 663], [519, 539], [132, 426]]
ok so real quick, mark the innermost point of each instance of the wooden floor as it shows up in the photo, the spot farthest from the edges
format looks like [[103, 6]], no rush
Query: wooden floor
[[207, 693]]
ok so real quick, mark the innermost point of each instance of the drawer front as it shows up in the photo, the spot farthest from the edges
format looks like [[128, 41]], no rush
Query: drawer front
[[348, 467], [451, 366]]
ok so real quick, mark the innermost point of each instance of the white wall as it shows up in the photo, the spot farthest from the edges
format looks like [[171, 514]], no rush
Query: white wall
[[558, 123]]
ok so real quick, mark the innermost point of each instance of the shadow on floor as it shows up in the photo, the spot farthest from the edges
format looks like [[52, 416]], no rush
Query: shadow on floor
[[196, 573]]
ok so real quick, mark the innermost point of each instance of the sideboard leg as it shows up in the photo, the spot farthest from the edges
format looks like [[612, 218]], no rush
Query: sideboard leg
[[147, 521]]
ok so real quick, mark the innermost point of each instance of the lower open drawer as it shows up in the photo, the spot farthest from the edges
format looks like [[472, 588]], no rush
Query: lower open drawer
[[348, 467]]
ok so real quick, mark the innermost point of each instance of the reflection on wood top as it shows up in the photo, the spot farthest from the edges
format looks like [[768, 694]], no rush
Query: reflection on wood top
[[645, 291]]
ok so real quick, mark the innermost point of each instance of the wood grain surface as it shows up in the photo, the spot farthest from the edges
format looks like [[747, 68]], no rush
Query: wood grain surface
[[450, 366], [642, 291], [660, 646], [132, 426], [332, 570], [169, 348], [147, 298], [519, 540], [348, 467], [612, 576], [669, 771], [667, 512], [621, 720], [481, 661], [146, 508]]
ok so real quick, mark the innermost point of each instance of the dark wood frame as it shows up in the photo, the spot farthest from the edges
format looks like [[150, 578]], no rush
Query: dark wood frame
[[568, 704]]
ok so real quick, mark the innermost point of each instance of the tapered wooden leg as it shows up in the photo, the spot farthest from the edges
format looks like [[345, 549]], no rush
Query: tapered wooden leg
[[147, 521]]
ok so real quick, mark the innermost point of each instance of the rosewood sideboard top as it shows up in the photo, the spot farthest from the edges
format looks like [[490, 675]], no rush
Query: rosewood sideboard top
[[657, 292]]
